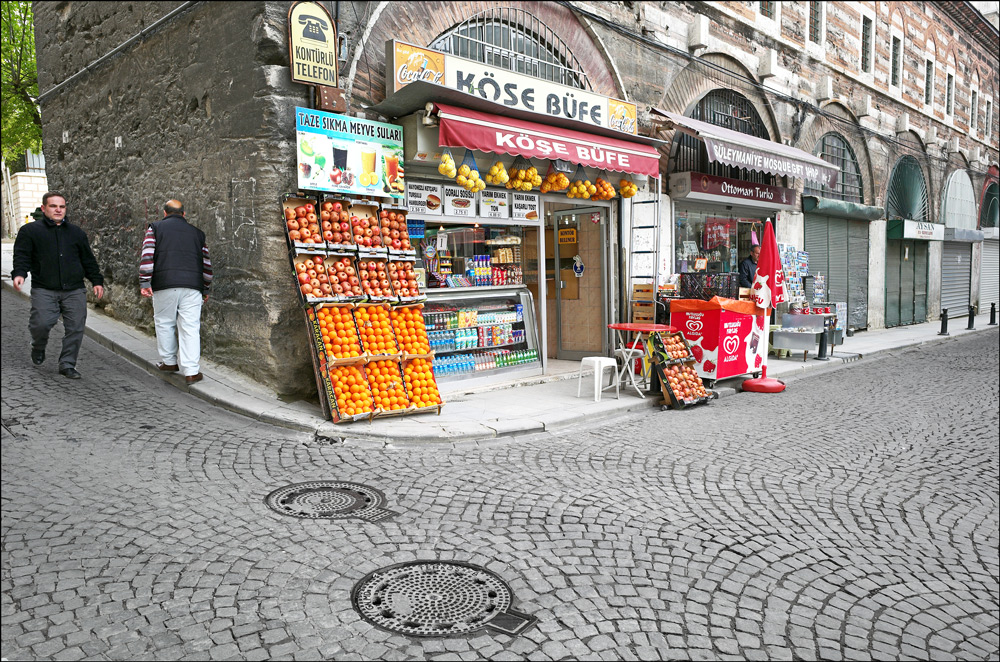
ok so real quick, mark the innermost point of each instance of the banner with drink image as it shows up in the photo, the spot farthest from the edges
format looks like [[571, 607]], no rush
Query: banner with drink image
[[341, 154]]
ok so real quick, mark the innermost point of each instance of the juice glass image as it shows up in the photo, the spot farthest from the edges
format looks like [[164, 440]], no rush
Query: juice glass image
[[340, 158], [368, 176], [392, 168]]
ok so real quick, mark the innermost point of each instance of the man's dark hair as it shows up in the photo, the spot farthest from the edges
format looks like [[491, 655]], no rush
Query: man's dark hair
[[173, 207], [51, 194]]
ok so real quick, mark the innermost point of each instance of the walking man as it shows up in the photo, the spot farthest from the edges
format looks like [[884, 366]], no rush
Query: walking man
[[58, 256], [176, 271]]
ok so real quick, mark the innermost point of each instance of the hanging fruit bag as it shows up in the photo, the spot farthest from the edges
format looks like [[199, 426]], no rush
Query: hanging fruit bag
[[581, 186], [605, 190], [447, 166], [557, 178], [627, 187], [523, 175], [497, 174]]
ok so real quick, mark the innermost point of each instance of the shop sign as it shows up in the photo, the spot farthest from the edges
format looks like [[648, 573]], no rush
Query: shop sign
[[424, 198], [459, 202], [762, 161], [922, 230], [494, 204], [312, 45], [411, 63], [710, 187], [524, 206], [341, 154], [567, 236]]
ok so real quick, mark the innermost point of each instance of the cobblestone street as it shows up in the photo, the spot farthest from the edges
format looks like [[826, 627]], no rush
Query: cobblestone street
[[854, 516]]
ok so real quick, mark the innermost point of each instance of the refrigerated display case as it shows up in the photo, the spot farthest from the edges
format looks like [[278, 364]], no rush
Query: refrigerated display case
[[481, 333]]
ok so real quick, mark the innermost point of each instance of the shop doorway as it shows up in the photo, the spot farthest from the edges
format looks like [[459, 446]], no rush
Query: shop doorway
[[905, 282], [576, 245]]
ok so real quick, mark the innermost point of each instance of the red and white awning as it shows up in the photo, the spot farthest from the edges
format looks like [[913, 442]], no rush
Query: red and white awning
[[461, 127]]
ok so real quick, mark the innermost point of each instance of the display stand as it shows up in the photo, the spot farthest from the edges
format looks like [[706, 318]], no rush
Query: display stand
[[674, 364]]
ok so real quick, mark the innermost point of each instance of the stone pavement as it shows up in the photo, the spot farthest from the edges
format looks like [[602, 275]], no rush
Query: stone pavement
[[531, 406], [856, 516]]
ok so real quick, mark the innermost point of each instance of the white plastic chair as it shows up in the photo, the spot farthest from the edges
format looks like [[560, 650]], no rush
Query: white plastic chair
[[600, 364], [628, 355]]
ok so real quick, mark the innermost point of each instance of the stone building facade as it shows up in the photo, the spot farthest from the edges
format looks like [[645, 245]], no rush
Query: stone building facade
[[195, 102]]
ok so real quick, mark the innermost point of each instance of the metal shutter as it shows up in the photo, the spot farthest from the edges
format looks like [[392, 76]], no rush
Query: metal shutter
[[893, 258], [816, 246], [906, 291], [989, 276], [919, 250], [956, 278], [836, 280], [857, 275]]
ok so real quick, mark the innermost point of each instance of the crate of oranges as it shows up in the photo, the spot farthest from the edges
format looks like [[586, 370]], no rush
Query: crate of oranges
[[375, 330], [411, 334], [353, 395], [421, 386], [336, 334], [387, 387]]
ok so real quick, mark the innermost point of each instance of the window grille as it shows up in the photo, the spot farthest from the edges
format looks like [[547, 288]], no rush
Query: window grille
[[907, 194], [929, 83], [989, 211], [974, 110], [832, 148], [815, 21], [767, 9], [731, 110], [515, 40], [988, 127], [949, 93], [866, 45], [895, 61]]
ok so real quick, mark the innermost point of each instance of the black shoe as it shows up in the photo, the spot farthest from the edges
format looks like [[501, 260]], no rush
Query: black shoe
[[70, 373], [38, 356]]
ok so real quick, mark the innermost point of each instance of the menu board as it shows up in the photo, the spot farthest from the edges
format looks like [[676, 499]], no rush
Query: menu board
[[459, 202], [494, 204], [424, 198], [342, 154], [524, 206]]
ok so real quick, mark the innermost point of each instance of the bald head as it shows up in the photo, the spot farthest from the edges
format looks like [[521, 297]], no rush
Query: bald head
[[173, 207]]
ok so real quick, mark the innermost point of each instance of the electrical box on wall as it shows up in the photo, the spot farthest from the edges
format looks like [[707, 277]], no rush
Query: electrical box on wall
[[420, 142]]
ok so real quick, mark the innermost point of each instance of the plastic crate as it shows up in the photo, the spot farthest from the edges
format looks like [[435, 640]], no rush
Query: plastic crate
[[704, 286]]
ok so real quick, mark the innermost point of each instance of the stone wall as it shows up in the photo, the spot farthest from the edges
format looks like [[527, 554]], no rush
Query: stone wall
[[201, 110]]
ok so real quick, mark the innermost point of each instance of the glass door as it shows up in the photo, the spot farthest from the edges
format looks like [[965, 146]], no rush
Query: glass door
[[576, 252]]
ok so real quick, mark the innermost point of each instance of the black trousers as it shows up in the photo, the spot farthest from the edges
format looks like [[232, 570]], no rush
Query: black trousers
[[46, 308]]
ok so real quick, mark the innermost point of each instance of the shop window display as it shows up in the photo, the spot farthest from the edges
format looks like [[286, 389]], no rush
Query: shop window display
[[708, 241]]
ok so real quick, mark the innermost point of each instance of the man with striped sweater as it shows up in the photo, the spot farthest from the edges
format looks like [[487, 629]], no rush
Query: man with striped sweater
[[176, 271]]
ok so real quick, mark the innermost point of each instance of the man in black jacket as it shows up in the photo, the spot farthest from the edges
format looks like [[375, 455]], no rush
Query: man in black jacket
[[748, 267], [176, 271], [58, 255]]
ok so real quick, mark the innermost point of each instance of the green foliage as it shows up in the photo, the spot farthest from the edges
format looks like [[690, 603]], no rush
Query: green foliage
[[21, 122]]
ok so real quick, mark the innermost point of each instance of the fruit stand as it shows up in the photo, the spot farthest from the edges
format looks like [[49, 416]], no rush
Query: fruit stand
[[674, 363]]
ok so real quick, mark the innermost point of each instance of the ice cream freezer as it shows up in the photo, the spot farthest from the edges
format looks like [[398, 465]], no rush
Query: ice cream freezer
[[726, 335]]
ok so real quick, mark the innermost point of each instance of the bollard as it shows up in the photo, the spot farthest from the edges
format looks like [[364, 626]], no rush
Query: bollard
[[944, 323], [993, 314], [823, 343], [972, 319]]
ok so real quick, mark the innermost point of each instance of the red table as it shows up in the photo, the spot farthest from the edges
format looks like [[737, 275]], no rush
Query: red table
[[640, 328]]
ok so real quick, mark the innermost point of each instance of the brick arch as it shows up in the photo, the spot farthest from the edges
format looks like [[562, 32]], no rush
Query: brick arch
[[422, 22], [691, 84], [817, 126]]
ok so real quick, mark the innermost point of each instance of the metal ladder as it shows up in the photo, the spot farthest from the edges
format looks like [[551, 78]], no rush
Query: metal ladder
[[654, 229]]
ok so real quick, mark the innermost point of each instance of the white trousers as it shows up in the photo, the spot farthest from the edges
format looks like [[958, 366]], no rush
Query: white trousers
[[177, 316]]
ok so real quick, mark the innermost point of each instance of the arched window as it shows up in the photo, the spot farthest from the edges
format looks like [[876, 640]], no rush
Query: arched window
[[989, 212], [959, 208], [907, 194], [515, 40], [832, 148], [731, 110]]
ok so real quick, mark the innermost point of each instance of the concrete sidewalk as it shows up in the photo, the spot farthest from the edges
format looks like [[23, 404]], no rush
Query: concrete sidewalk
[[541, 404]]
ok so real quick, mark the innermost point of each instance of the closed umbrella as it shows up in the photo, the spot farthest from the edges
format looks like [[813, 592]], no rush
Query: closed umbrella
[[768, 290]]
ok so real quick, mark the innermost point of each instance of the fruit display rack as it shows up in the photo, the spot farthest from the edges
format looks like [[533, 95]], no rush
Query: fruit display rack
[[674, 364], [672, 348], [352, 263]]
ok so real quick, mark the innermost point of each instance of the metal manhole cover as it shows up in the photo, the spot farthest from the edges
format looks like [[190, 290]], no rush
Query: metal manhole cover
[[326, 499], [437, 599]]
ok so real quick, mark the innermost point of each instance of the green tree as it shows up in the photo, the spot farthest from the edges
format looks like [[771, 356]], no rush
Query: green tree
[[21, 122]]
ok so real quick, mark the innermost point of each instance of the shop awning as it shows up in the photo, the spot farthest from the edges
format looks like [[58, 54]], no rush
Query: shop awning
[[841, 209], [461, 127], [745, 151]]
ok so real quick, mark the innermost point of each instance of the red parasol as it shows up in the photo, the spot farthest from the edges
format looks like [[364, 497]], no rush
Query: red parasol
[[768, 291]]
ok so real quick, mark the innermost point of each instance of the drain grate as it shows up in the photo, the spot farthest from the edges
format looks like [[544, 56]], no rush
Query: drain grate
[[325, 499], [437, 599]]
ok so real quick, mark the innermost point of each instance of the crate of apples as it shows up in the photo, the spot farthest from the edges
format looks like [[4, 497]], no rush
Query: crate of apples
[[388, 388], [420, 384], [334, 213], [684, 383], [344, 278], [338, 332], [395, 235], [404, 279], [365, 229], [676, 348], [354, 398], [411, 334], [373, 274], [375, 329], [302, 224], [313, 278]]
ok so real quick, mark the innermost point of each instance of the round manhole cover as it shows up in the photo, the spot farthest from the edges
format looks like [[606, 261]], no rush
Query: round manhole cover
[[437, 599], [325, 499]]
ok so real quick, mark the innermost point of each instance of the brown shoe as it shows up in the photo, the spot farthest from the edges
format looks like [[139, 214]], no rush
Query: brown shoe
[[194, 379], [166, 367]]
